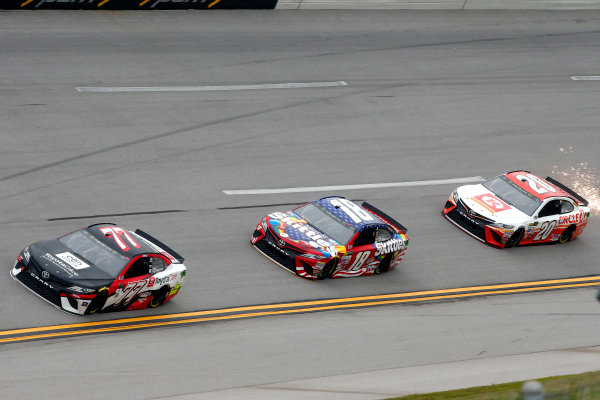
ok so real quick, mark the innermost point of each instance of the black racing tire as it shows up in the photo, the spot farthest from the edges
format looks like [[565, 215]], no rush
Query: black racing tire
[[328, 269], [567, 234], [159, 297], [515, 238], [98, 301], [384, 265]]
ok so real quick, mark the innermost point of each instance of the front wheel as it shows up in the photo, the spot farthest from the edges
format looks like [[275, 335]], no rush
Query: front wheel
[[98, 301], [515, 238], [328, 269]]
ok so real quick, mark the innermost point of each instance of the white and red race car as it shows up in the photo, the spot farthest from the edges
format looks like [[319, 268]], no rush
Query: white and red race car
[[518, 208]]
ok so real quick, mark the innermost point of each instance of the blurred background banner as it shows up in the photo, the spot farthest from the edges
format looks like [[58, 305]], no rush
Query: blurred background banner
[[135, 4]]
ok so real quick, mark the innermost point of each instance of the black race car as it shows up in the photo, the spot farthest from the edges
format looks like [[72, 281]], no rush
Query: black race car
[[101, 268]]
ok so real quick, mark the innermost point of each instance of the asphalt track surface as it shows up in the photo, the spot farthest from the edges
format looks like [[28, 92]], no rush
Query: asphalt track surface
[[430, 95]]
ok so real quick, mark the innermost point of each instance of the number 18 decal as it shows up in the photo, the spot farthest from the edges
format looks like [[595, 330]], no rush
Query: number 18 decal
[[360, 259], [545, 229], [354, 211]]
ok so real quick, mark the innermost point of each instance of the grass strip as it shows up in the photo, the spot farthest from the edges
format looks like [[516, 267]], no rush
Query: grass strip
[[584, 386]]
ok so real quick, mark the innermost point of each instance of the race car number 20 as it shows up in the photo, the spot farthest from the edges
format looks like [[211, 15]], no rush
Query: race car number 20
[[545, 230]]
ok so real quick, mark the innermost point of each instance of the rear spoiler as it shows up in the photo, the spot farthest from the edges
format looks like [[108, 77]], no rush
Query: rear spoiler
[[159, 244], [579, 199], [384, 216], [102, 223]]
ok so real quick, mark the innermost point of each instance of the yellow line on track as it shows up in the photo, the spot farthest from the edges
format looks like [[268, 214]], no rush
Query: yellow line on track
[[204, 316], [361, 299]]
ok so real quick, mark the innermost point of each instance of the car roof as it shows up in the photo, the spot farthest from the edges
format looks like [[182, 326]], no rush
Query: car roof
[[339, 213], [122, 244], [527, 181]]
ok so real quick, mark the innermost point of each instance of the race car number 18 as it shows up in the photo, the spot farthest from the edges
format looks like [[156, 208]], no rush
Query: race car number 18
[[354, 211], [359, 260]]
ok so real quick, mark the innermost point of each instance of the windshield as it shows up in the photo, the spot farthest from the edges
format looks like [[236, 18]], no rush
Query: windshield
[[86, 246], [510, 193], [326, 223]]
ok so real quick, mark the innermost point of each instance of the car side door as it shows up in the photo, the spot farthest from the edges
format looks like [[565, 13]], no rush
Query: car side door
[[132, 280], [363, 249], [547, 220]]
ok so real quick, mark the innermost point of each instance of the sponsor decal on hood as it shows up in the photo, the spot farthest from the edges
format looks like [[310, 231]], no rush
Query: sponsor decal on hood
[[297, 230], [488, 205]]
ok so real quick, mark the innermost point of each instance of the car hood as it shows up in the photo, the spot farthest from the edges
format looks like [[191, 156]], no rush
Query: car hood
[[485, 203], [61, 263], [301, 234]]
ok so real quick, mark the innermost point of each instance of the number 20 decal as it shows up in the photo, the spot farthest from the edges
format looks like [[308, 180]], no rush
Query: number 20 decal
[[545, 230], [535, 183]]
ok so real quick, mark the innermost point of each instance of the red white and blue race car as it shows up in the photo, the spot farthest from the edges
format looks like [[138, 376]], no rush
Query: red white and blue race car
[[101, 268], [518, 208], [330, 238]]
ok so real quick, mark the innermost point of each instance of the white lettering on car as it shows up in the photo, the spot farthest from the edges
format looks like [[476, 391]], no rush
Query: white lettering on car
[[72, 260], [389, 246]]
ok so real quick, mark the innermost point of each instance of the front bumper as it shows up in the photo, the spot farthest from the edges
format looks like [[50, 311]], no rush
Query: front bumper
[[289, 259], [47, 290], [473, 224]]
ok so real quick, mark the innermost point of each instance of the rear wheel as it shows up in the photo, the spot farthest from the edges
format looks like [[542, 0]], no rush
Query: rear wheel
[[328, 269], [384, 265], [567, 234], [515, 238], [159, 297]]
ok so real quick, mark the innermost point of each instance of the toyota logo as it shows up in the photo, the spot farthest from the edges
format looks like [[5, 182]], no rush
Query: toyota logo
[[45, 274], [472, 213], [281, 242]]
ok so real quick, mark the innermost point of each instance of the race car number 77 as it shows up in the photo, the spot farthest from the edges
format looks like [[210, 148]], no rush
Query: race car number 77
[[117, 233]]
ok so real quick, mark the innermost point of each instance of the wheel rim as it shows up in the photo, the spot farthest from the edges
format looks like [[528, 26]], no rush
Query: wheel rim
[[566, 235], [327, 271], [98, 302], [384, 265], [160, 298], [515, 238]]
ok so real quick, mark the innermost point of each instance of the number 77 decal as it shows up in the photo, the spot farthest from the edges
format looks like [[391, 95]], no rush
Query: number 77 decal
[[117, 234]]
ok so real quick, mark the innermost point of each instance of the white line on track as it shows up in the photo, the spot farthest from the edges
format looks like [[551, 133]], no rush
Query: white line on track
[[468, 179], [265, 86], [586, 78]]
